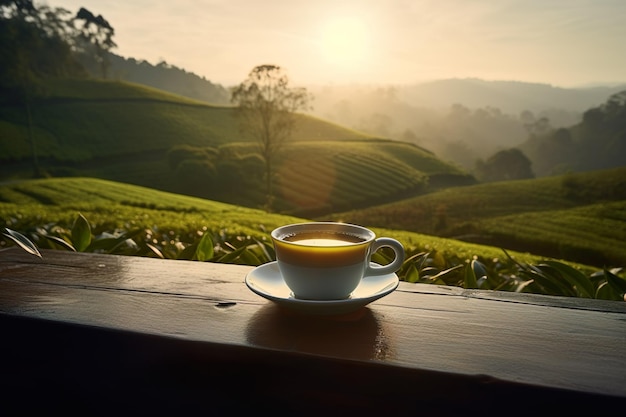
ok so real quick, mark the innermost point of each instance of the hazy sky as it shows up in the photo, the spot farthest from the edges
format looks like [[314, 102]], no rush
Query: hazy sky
[[560, 42]]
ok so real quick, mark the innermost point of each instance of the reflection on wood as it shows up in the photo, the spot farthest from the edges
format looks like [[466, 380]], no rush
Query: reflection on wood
[[93, 333]]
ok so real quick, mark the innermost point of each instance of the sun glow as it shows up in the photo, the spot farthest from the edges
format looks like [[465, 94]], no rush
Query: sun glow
[[345, 43]]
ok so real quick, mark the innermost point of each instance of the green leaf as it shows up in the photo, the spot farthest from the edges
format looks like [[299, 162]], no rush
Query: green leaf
[[249, 258], [268, 250], [580, 282], [108, 245], [554, 275], [188, 254], [521, 285], [616, 283], [470, 280], [204, 250], [81, 233], [380, 258], [480, 273], [22, 241], [111, 244], [428, 271], [412, 275], [412, 258], [155, 250], [606, 292], [60, 242], [438, 278], [546, 284], [231, 256]]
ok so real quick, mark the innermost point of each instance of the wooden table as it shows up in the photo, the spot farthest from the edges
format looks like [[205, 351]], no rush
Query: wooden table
[[92, 334]]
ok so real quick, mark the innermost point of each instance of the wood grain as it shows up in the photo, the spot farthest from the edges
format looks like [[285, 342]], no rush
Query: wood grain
[[470, 340]]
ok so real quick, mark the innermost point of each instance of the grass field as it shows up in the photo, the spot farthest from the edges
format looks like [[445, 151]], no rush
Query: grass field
[[578, 216], [123, 132], [81, 119], [95, 215], [110, 205]]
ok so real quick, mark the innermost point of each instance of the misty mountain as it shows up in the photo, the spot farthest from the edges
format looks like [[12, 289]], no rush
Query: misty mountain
[[509, 96], [462, 120]]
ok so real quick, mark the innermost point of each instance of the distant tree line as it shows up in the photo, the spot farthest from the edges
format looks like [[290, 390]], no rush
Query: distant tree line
[[597, 142], [457, 133], [489, 143], [508, 164], [163, 76], [216, 172], [37, 42]]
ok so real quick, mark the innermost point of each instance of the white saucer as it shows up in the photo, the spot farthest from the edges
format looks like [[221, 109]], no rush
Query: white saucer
[[267, 281]]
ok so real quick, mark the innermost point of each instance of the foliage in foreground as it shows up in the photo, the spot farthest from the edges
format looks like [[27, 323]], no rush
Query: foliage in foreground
[[547, 277]]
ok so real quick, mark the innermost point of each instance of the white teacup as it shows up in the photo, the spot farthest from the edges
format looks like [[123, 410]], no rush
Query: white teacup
[[327, 260]]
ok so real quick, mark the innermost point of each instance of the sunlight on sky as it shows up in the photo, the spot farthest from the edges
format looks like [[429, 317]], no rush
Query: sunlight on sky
[[560, 42], [345, 43]]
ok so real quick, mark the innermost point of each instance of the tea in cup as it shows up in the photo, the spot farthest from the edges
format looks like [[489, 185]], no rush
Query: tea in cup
[[328, 260]]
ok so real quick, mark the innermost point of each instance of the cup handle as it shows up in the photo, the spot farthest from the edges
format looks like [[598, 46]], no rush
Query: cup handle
[[385, 242]]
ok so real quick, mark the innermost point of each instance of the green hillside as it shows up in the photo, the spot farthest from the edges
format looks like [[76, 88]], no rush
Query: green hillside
[[84, 119], [95, 215], [125, 132], [578, 216], [110, 206]]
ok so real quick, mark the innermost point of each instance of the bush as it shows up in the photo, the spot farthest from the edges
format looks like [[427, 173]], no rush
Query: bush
[[197, 177], [547, 277], [179, 154]]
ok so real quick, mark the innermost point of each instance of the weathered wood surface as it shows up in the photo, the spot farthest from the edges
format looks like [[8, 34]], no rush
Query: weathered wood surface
[[422, 347]]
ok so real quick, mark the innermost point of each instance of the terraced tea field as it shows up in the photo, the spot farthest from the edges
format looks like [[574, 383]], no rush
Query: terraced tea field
[[109, 206], [579, 217], [319, 176], [145, 222]]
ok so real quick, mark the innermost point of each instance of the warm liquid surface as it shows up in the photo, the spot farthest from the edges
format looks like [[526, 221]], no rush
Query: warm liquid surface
[[324, 239]]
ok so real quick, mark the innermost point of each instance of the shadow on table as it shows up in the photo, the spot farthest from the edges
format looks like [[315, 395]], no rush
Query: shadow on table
[[359, 335]]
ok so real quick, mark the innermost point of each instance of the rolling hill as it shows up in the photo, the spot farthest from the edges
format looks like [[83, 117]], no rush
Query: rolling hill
[[26, 205], [131, 220], [509, 96], [577, 216], [125, 132]]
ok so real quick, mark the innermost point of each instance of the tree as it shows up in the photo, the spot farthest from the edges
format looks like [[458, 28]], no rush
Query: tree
[[266, 108], [98, 33], [196, 177], [34, 43], [508, 164], [538, 127], [33, 47]]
